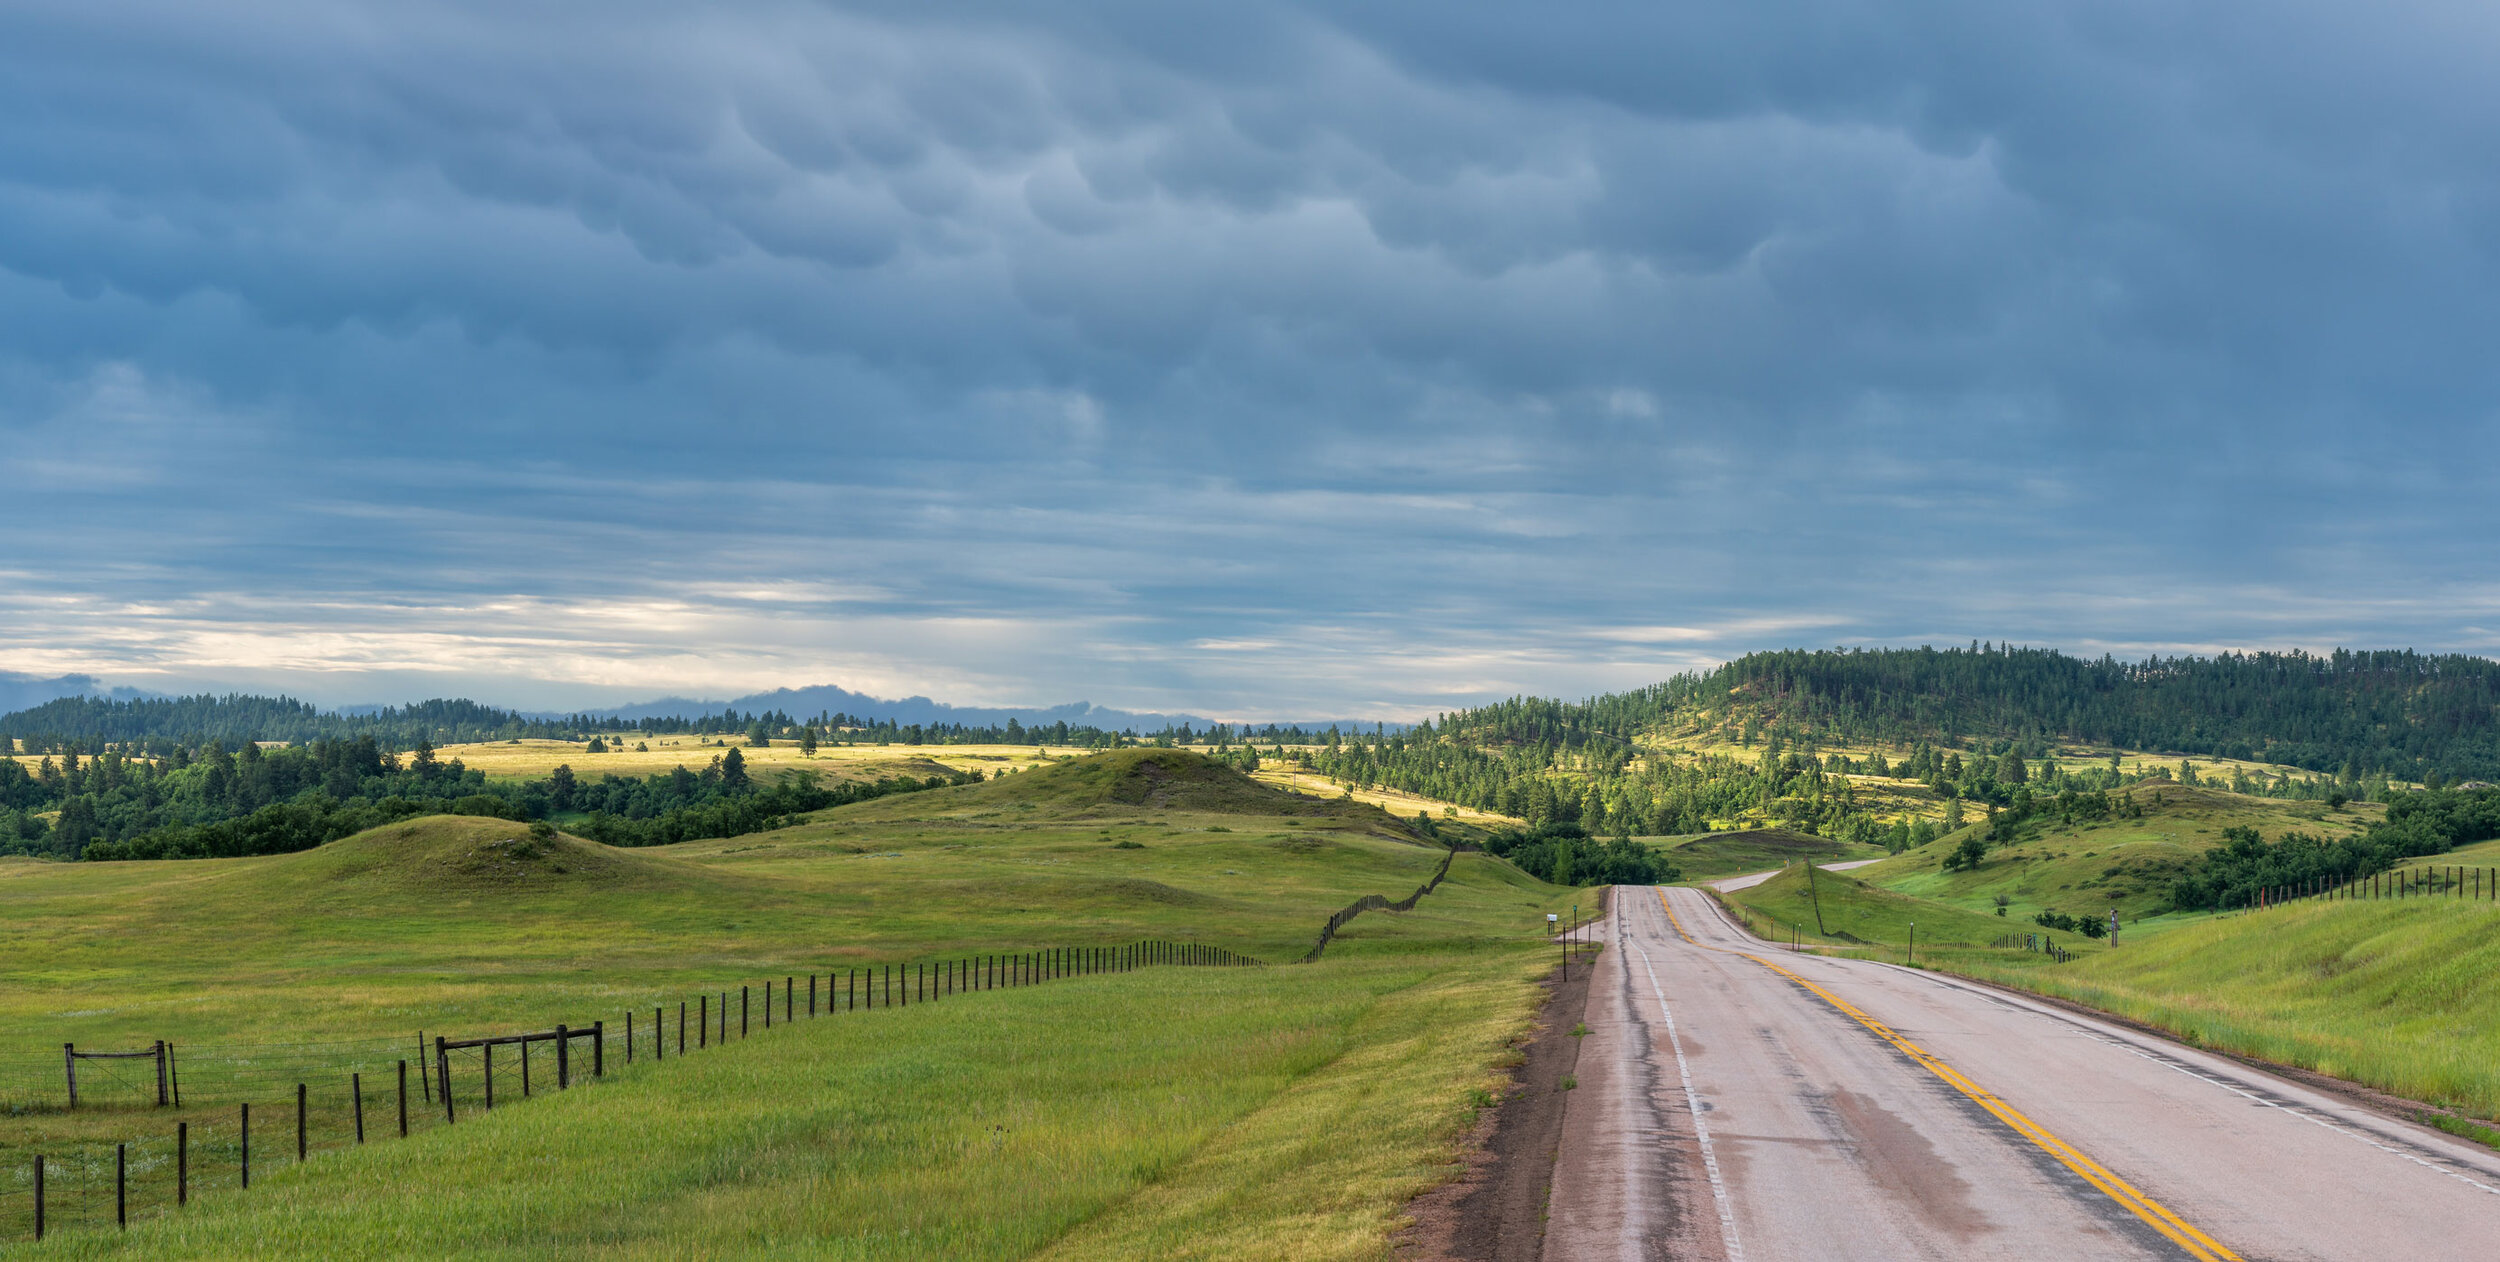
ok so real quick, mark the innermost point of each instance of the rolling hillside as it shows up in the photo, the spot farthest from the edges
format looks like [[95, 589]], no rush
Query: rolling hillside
[[303, 967]]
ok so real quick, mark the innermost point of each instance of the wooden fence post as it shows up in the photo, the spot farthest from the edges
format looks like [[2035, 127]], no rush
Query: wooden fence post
[[703, 1027], [489, 1052], [742, 1011], [121, 1186], [599, 1047], [69, 1066], [629, 1036], [247, 1145], [357, 1083], [425, 1081], [173, 1070], [564, 1054], [302, 1139], [162, 1096], [182, 1163], [442, 1077], [681, 1027], [811, 995], [403, 1099], [790, 998]]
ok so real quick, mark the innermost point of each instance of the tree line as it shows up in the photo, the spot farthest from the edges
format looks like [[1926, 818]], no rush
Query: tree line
[[210, 801], [2397, 713], [157, 726], [2417, 825]]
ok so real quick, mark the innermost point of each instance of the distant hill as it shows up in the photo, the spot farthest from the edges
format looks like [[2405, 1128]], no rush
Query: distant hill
[[85, 714], [20, 692], [807, 703], [2398, 712]]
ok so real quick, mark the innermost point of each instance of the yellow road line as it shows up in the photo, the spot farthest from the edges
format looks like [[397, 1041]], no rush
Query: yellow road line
[[2199, 1245]]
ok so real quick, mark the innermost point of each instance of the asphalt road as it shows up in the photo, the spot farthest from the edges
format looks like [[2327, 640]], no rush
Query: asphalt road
[[1757, 878], [1736, 1100]]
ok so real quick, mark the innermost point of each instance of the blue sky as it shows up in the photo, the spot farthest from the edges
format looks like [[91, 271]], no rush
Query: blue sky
[[1255, 360]]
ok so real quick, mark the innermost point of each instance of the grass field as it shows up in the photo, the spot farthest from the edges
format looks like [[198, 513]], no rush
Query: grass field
[[1177, 1114], [1396, 801], [464, 926]]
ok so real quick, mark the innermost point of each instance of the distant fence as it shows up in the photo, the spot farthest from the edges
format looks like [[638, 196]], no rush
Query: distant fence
[[2039, 942], [376, 1089], [1377, 902], [2455, 883]]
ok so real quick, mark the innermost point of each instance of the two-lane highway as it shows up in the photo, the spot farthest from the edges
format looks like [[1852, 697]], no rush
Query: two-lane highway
[[1739, 1101]]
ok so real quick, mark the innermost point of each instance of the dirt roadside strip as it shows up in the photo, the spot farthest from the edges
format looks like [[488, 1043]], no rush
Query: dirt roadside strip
[[1495, 1212]]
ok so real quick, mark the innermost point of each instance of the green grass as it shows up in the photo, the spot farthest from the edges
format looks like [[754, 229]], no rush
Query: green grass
[[2089, 867], [2400, 995], [1179, 1113], [463, 926], [1713, 855]]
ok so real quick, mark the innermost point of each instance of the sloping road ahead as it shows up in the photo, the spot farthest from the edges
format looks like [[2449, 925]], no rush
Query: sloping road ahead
[[1740, 1101]]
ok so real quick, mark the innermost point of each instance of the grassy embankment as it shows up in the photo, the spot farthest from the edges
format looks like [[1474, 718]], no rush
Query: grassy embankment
[[1119, 1109], [1835, 909]]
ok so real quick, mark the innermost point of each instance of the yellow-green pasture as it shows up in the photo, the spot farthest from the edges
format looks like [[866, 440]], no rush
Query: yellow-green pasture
[[1178, 1113], [1397, 802], [467, 926]]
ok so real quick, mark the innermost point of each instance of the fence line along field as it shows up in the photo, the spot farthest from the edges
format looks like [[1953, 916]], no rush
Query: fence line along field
[[313, 966]]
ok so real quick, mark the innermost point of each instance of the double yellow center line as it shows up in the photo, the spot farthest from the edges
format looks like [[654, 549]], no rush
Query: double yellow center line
[[2199, 1245]]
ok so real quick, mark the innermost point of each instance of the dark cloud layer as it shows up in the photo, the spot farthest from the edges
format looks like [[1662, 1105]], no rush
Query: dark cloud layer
[[1264, 360]]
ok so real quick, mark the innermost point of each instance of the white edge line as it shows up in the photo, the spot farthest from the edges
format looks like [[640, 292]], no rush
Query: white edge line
[[2175, 1065], [1692, 1104]]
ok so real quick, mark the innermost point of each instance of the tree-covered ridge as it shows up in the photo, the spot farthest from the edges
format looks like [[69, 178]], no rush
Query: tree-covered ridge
[[215, 803], [1799, 738], [157, 725], [2398, 713]]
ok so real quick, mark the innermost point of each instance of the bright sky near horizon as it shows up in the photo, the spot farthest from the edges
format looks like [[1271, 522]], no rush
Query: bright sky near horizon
[[1262, 359]]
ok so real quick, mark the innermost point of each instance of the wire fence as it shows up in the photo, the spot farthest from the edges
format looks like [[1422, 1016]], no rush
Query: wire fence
[[2455, 883], [239, 1112]]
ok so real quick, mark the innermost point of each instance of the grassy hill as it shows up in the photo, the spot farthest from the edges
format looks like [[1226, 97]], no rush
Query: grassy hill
[[982, 1125], [1126, 785], [2090, 866]]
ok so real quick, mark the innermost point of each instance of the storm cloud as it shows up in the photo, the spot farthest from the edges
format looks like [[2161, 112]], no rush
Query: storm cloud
[[1264, 360]]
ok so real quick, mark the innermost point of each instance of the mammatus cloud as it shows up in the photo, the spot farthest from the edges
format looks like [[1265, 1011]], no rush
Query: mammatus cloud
[[1289, 360]]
